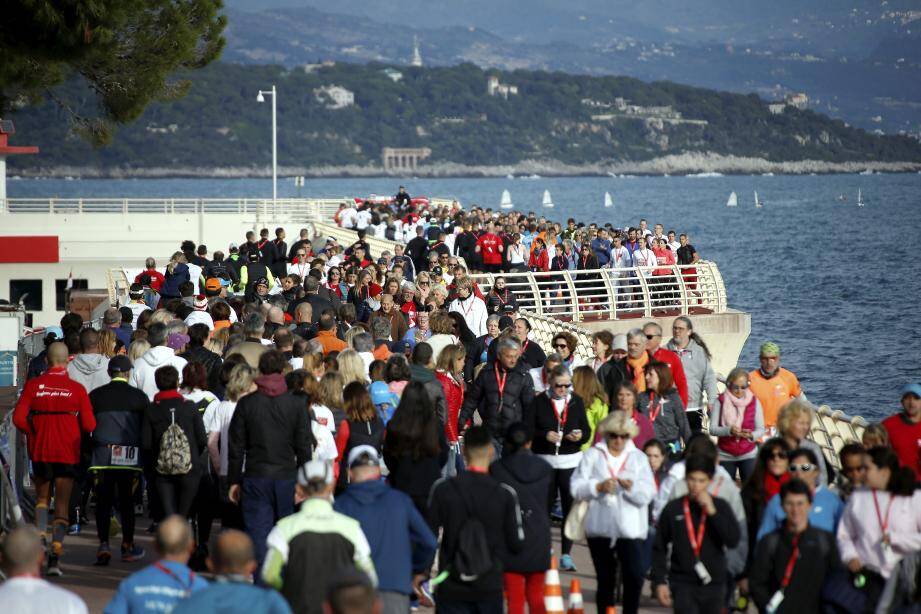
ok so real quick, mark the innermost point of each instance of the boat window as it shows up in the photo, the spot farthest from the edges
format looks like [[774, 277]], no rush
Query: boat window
[[60, 291], [30, 289]]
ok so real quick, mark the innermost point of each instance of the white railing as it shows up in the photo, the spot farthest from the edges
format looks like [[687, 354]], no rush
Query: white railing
[[612, 294], [307, 208]]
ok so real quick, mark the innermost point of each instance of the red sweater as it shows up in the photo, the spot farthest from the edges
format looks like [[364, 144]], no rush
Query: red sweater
[[54, 438], [905, 437], [673, 361]]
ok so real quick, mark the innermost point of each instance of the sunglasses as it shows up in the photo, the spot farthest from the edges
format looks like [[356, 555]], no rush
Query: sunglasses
[[618, 436], [652, 336], [778, 456], [562, 385], [802, 468], [561, 346], [423, 283]]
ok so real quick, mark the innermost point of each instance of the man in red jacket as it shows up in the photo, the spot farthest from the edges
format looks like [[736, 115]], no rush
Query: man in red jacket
[[489, 246], [54, 411], [904, 429], [653, 334]]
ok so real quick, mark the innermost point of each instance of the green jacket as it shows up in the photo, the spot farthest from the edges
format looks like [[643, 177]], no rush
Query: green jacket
[[595, 413]]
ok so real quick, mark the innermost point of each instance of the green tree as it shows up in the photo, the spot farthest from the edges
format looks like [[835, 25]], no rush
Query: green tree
[[124, 50]]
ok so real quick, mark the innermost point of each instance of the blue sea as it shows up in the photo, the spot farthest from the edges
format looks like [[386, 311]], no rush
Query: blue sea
[[837, 286]]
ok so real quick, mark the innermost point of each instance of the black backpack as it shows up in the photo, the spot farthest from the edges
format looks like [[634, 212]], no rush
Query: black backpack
[[472, 554]]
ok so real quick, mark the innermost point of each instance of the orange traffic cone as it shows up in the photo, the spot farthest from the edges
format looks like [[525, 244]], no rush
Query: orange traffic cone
[[553, 592], [576, 605]]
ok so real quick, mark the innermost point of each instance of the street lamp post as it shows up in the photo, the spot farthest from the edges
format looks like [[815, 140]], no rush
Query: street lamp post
[[261, 98]]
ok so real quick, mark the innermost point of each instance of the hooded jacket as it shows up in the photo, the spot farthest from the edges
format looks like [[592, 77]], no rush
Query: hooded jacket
[[142, 375], [172, 281], [270, 431], [433, 387], [530, 477], [91, 370], [402, 544]]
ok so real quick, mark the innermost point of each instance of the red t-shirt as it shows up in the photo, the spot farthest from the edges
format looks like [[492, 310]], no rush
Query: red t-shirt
[[489, 248], [156, 278], [905, 437]]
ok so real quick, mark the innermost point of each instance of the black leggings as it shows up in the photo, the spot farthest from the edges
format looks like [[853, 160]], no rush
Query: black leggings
[[559, 483], [107, 482], [177, 492], [604, 558], [206, 508]]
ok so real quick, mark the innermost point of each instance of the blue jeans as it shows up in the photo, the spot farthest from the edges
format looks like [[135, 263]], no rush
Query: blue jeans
[[265, 501]]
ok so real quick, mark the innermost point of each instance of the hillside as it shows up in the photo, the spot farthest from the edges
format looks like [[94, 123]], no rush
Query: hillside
[[555, 118]]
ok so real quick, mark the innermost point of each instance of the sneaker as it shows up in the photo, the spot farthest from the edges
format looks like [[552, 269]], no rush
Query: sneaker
[[566, 563], [132, 553], [74, 529], [426, 599], [54, 567], [103, 555]]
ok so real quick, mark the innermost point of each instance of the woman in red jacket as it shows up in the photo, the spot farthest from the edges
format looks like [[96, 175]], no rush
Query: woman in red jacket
[[540, 260], [450, 372]]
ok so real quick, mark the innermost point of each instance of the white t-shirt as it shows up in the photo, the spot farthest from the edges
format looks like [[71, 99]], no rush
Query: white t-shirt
[[208, 416], [137, 309], [363, 219], [348, 218], [25, 595], [195, 275], [220, 419], [326, 443], [324, 416], [645, 258]]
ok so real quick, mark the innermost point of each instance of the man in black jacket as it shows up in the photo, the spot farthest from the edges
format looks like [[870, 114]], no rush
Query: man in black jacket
[[418, 250], [501, 394], [794, 561], [270, 431], [221, 269], [699, 528], [313, 298], [195, 351], [474, 494], [115, 461]]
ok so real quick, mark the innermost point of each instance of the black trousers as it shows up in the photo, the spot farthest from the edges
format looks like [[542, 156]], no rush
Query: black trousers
[[629, 552], [177, 492], [115, 488], [205, 507], [697, 599], [559, 483], [695, 420]]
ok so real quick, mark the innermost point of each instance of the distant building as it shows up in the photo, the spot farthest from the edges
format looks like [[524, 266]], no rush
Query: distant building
[[403, 158], [776, 108], [798, 100], [392, 74], [334, 96], [417, 57], [494, 88]]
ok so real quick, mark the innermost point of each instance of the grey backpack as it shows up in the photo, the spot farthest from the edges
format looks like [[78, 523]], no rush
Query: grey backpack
[[175, 457]]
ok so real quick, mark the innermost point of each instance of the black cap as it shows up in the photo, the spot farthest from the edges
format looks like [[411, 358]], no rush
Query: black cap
[[119, 364]]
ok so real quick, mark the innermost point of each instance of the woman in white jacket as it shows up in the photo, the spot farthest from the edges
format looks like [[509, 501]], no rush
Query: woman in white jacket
[[614, 476]]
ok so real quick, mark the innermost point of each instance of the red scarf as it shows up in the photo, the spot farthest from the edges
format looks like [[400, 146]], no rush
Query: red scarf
[[163, 395], [772, 485]]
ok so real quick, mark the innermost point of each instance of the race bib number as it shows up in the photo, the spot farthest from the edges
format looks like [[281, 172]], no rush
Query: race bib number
[[124, 456]]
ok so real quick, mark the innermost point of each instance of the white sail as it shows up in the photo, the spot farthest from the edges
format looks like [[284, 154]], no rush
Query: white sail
[[733, 200], [859, 198], [608, 201], [506, 202], [757, 202], [547, 201]]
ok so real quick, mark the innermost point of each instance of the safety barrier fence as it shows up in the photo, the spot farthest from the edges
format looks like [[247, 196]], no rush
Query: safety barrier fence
[[307, 208]]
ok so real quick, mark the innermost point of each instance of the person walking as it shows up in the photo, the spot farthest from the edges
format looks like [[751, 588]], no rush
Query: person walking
[[159, 355], [560, 429], [586, 386], [737, 423], [615, 478], [531, 478], [402, 545], [362, 426], [270, 432], [115, 460], [696, 361], [773, 385], [54, 412], [450, 374], [661, 403], [486, 513], [160, 587]]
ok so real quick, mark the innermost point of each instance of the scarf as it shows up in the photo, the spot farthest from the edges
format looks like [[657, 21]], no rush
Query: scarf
[[772, 484], [637, 365], [165, 395], [732, 409]]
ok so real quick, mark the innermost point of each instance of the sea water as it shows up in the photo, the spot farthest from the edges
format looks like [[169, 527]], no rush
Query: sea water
[[837, 286]]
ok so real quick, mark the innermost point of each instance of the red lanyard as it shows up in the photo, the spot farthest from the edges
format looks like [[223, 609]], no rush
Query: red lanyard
[[561, 418], [525, 346], [467, 310], [697, 540], [654, 413], [169, 572], [500, 383], [883, 524], [788, 572]]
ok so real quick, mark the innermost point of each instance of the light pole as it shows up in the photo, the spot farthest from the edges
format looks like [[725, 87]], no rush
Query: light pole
[[261, 98]]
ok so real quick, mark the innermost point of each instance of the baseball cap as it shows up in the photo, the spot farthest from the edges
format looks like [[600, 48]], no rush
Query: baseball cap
[[331, 239], [316, 471], [364, 456], [619, 342], [508, 308], [119, 364], [381, 394], [213, 284], [262, 281], [913, 388], [111, 316], [233, 247], [177, 340]]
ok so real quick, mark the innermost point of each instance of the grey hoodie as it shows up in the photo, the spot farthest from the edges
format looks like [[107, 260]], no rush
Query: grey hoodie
[[698, 370], [91, 370]]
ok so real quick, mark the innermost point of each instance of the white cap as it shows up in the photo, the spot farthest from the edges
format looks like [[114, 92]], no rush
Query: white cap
[[364, 450], [315, 471], [619, 342]]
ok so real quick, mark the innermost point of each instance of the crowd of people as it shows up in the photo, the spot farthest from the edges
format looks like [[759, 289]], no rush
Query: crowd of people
[[377, 434]]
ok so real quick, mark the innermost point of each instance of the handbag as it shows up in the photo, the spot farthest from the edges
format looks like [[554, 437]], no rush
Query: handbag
[[574, 526]]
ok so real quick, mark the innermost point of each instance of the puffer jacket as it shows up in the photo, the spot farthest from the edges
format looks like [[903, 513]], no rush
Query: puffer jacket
[[698, 373], [498, 411], [172, 281], [142, 375], [623, 514], [454, 398], [91, 370]]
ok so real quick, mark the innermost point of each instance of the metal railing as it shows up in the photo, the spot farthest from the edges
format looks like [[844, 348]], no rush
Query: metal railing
[[612, 294], [309, 208]]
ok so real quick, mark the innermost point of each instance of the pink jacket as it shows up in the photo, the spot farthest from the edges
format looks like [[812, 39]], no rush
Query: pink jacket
[[860, 533]]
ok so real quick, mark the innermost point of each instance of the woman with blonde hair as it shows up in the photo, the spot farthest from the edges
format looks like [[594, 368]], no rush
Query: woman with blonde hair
[[443, 330], [328, 408], [449, 370], [352, 367], [737, 421], [793, 423], [177, 273], [137, 349], [218, 341], [586, 386], [107, 341], [875, 436], [615, 478]]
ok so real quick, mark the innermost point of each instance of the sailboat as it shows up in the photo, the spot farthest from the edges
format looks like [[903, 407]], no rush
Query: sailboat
[[733, 200], [608, 201], [506, 202], [758, 203], [859, 198], [547, 202]]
